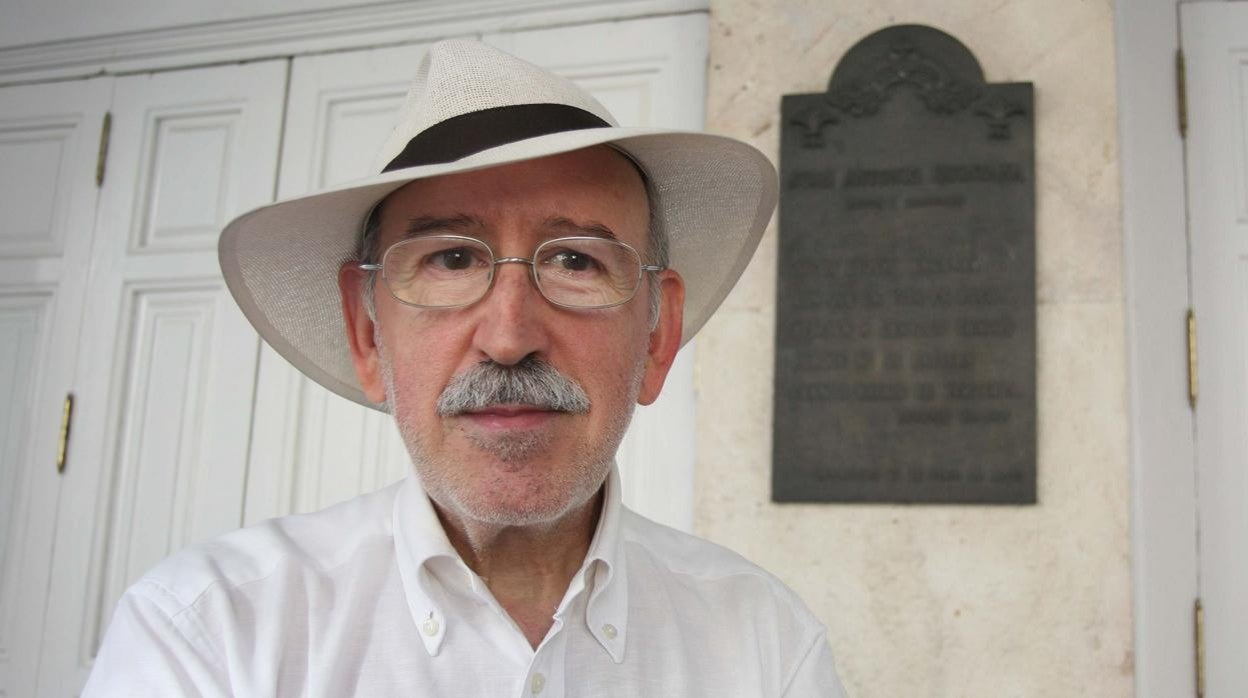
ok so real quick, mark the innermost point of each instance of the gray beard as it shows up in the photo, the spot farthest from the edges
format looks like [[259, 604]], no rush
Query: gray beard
[[488, 383], [510, 448]]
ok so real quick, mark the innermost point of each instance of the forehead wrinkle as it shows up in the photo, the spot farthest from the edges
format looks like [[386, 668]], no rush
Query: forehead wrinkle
[[424, 225], [564, 225]]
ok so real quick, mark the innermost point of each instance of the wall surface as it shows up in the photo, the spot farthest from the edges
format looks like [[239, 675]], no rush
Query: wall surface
[[947, 600]]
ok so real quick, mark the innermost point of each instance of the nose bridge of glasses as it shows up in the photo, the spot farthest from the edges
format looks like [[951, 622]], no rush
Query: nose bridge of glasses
[[513, 260], [529, 271]]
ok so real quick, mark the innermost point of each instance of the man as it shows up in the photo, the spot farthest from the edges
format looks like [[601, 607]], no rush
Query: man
[[526, 273]]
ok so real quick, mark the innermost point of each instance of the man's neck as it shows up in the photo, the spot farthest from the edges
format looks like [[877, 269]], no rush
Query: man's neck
[[527, 568]]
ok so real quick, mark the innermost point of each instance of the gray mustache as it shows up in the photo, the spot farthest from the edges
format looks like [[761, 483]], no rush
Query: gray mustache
[[530, 382]]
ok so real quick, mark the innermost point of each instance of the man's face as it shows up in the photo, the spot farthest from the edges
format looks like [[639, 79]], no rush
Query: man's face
[[516, 464]]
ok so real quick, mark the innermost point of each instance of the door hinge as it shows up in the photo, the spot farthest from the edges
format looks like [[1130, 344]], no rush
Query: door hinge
[[105, 131], [1200, 650], [1180, 83], [1193, 367], [67, 416]]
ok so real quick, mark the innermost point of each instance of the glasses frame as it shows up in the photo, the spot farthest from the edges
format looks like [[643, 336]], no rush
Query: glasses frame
[[642, 269]]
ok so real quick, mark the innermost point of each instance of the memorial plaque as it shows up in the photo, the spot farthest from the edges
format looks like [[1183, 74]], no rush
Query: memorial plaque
[[906, 309]]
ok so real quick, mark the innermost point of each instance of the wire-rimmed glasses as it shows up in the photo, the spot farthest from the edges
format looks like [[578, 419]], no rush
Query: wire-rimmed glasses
[[453, 271]]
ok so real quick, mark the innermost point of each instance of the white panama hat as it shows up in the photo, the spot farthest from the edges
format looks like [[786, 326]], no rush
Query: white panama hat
[[472, 106]]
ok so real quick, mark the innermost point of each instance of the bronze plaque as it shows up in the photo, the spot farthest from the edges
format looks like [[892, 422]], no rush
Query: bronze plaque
[[906, 309]]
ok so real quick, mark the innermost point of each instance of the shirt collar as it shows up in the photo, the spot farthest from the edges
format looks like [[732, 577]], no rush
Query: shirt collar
[[606, 576], [420, 540]]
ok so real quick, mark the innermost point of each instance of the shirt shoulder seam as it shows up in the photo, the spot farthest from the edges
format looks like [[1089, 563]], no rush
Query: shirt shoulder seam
[[741, 567], [190, 613], [811, 647]]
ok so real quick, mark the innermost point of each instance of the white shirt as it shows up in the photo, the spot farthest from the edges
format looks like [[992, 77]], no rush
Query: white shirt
[[369, 598]]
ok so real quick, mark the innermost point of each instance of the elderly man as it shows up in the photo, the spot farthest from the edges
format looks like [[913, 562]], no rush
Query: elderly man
[[526, 273]]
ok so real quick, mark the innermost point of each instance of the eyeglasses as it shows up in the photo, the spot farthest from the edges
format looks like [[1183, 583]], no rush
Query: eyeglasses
[[453, 271]]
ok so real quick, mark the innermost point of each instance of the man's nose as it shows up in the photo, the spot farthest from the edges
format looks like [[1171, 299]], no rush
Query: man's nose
[[510, 325]]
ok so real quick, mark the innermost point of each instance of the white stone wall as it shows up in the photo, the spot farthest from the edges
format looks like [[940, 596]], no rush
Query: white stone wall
[[947, 600]]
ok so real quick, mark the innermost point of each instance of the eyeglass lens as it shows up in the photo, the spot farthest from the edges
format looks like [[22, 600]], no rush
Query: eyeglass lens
[[443, 271]]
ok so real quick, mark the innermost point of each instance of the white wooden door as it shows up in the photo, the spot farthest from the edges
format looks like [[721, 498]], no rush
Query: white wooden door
[[49, 137], [166, 370], [312, 448], [1215, 43]]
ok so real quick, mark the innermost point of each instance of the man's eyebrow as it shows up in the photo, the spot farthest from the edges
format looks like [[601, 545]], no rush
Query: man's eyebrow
[[568, 226], [422, 225]]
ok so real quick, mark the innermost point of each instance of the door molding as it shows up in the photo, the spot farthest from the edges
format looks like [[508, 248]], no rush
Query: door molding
[[1163, 492], [310, 31]]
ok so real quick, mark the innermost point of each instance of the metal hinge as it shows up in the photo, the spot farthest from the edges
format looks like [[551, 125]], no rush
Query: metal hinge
[[1180, 83], [105, 132], [67, 416], [1200, 650], [1193, 368]]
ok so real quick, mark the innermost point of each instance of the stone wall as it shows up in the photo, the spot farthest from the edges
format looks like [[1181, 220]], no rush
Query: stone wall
[[947, 600]]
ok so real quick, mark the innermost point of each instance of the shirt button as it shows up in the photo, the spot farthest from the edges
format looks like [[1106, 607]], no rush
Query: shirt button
[[429, 627], [538, 683], [610, 631]]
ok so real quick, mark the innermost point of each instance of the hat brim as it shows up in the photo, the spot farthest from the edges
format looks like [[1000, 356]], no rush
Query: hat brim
[[713, 195]]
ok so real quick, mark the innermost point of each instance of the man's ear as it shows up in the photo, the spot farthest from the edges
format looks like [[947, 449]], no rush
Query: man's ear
[[665, 337], [360, 331]]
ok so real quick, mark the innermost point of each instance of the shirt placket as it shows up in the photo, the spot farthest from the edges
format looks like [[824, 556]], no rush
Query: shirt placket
[[546, 674]]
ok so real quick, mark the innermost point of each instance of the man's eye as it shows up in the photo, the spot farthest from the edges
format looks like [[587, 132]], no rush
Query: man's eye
[[455, 259], [569, 260]]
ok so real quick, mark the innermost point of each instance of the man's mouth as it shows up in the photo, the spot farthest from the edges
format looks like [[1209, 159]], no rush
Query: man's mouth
[[510, 416]]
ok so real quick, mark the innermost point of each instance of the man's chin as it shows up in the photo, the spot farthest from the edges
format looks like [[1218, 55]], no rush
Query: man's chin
[[514, 489], [516, 448]]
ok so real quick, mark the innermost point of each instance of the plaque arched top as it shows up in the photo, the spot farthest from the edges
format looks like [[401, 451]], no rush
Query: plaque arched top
[[944, 73]]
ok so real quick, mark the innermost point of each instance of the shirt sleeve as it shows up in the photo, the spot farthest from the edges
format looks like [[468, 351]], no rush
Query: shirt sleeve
[[815, 675], [148, 651]]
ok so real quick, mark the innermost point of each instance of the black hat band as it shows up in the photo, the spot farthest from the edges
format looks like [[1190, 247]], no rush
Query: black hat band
[[467, 134]]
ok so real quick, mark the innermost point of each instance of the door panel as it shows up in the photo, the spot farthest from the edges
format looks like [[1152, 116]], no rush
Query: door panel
[[26, 488], [187, 166], [166, 366], [1215, 43], [166, 382], [30, 194], [49, 137]]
